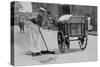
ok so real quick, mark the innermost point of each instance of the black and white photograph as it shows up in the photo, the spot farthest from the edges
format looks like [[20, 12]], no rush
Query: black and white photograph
[[52, 33]]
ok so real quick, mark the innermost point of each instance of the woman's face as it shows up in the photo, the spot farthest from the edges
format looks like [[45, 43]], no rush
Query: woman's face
[[41, 12]]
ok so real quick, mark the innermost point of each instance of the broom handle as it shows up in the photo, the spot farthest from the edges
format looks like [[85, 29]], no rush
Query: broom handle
[[43, 38]]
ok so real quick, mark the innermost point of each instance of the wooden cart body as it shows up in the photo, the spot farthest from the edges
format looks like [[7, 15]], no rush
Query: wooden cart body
[[75, 26]]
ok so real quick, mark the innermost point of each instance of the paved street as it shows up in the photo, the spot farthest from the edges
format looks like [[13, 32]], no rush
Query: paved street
[[74, 54]]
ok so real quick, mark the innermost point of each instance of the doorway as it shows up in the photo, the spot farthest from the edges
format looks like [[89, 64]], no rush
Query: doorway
[[66, 9]]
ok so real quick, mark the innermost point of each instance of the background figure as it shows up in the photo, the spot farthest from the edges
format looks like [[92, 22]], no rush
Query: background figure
[[50, 19], [21, 26], [89, 23]]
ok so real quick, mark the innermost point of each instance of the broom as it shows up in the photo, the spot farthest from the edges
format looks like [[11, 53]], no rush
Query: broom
[[47, 51]]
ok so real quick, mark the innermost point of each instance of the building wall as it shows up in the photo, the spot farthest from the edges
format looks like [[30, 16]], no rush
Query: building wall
[[56, 10], [53, 8], [86, 10]]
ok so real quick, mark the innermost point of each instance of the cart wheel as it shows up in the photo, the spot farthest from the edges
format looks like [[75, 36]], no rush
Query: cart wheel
[[83, 42], [61, 44], [67, 43]]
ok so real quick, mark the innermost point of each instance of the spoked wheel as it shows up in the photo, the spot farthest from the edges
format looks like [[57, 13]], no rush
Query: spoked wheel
[[67, 42], [61, 44], [83, 42]]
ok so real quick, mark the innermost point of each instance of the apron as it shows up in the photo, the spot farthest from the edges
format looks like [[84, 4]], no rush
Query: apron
[[36, 39]]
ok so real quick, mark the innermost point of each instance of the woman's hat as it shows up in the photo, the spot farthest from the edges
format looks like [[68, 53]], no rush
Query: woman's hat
[[42, 9]]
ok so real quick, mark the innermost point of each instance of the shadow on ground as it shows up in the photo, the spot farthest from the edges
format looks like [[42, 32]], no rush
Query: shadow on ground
[[57, 51], [71, 50]]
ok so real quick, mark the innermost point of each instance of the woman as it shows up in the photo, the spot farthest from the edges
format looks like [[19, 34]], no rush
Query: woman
[[35, 35]]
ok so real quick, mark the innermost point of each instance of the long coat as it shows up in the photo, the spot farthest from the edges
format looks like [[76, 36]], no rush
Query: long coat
[[35, 36]]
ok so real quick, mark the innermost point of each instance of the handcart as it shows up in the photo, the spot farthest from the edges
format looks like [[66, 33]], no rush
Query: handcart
[[75, 26]]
